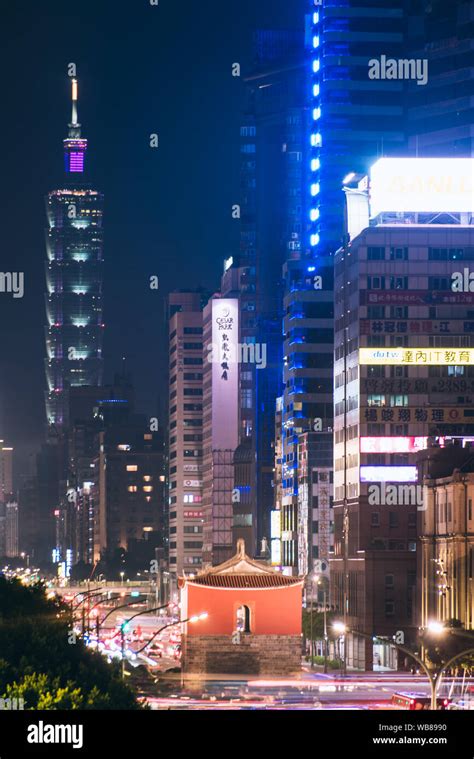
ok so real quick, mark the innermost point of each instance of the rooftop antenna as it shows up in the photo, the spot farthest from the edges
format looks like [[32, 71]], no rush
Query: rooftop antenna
[[74, 126]]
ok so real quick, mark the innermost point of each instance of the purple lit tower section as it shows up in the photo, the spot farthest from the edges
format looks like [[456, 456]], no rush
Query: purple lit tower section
[[74, 245]]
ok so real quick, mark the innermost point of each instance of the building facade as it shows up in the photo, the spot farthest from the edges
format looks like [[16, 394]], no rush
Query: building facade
[[446, 533], [402, 369], [129, 492], [185, 462]]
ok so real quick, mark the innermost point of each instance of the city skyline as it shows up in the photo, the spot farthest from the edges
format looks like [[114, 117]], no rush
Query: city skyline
[[119, 148], [237, 376]]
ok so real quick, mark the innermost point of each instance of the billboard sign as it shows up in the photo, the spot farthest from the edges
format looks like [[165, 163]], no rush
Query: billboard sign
[[225, 373], [422, 185], [417, 356], [388, 474], [392, 444]]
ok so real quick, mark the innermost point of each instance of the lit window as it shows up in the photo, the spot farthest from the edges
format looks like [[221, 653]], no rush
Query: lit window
[[147, 477], [148, 437], [148, 488], [132, 488], [132, 468]]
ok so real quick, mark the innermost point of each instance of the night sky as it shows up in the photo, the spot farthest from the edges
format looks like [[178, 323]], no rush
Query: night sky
[[141, 69]]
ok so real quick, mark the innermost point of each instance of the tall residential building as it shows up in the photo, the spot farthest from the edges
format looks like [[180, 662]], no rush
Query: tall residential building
[[91, 411], [185, 463], [404, 364], [74, 279], [129, 492]]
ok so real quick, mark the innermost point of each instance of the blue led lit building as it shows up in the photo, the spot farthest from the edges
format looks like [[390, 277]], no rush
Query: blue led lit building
[[73, 278], [271, 188], [345, 122]]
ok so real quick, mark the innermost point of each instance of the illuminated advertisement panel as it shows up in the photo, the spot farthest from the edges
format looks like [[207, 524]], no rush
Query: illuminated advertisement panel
[[423, 185], [276, 552], [388, 474], [419, 414], [225, 374], [392, 444], [417, 356], [275, 524]]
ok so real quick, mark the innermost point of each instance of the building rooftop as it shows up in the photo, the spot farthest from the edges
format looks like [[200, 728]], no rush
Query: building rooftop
[[241, 571]]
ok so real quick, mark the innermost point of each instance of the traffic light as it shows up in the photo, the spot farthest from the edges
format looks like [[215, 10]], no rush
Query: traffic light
[[125, 626]]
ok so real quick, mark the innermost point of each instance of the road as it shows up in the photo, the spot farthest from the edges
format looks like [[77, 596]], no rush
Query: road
[[310, 691]]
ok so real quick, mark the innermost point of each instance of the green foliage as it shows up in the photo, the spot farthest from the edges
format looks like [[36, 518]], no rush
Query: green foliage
[[38, 664], [332, 663], [318, 624]]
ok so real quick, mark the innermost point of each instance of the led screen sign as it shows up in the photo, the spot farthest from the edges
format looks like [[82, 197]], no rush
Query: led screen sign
[[392, 444], [388, 474], [422, 185]]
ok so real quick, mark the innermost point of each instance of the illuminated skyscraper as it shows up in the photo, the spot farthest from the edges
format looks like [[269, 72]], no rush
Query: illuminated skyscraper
[[73, 278]]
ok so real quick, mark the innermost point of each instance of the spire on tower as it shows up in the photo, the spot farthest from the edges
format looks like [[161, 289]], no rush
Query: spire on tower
[[75, 146], [74, 126]]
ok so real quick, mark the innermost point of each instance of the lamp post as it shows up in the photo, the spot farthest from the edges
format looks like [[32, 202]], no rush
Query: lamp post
[[314, 579], [87, 594], [193, 619], [117, 608], [434, 676], [341, 628], [325, 633], [124, 625]]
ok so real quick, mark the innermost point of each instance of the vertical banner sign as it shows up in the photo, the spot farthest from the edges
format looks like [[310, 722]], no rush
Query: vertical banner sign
[[225, 373]]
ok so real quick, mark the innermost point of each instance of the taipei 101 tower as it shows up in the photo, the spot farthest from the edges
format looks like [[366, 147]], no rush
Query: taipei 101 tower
[[74, 243]]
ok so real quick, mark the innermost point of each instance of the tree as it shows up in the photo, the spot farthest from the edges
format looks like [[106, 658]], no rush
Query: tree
[[318, 624], [38, 663]]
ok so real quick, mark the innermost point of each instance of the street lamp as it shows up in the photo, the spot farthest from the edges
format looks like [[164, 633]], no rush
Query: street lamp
[[314, 579], [122, 576], [436, 627], [341, 628], [195, 618], [434, 676]]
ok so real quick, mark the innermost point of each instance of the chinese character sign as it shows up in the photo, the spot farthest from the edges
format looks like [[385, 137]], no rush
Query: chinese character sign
[[225, 374], [417, 356]]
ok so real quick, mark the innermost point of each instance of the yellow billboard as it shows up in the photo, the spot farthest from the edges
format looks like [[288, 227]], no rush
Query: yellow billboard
[[417, 356]]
